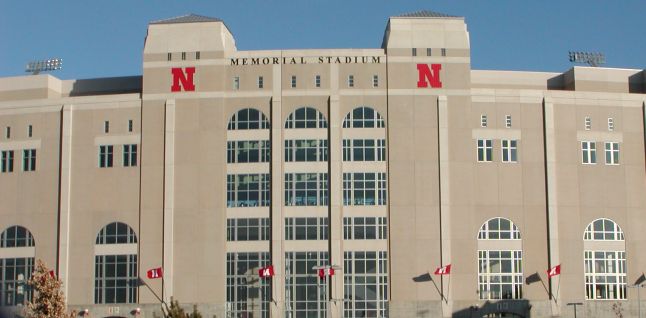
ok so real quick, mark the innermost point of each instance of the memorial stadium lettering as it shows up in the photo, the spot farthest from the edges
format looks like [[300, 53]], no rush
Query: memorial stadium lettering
[[305, 60]]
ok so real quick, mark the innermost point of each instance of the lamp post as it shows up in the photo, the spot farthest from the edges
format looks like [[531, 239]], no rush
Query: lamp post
[[575, 304], [639, 300]]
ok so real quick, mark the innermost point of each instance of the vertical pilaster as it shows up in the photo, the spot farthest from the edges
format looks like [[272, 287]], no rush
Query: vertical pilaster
[[169, 198], [277, 219], [445, 200], [64, 200], [335, 215], [549, 136]]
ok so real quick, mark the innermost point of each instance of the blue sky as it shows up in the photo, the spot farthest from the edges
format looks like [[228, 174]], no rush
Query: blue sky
[[105, 38]]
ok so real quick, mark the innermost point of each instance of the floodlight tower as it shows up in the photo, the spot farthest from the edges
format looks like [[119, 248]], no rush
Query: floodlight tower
[[35, 67], [593, 59]]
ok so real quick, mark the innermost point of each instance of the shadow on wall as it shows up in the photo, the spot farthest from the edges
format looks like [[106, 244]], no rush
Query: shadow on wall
[[105, 86], [637, 83], [517, 308]]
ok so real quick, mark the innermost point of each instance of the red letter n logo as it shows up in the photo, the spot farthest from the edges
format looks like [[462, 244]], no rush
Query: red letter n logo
[[185, 77], [426, 76]]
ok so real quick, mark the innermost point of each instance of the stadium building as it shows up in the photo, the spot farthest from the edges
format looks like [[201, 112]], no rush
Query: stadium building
[[349, 179]]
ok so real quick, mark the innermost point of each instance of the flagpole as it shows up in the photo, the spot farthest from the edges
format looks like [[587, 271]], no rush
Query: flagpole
[[558, 287]]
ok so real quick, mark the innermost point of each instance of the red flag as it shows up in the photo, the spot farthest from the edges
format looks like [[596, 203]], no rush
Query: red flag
[[444, 270], [556, 270], [326, 272], [266, 272], [51, 273], [155, 273]]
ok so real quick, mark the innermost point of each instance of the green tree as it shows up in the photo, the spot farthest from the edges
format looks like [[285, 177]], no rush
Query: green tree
[[176, 311]]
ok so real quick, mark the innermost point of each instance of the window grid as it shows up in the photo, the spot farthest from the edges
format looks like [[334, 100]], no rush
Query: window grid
[[7, 161], [293, 81], [115, 279], [428, 52], [306, 117], [105, 156], [605, 274], [248, 119], [130, 125], [308, 150], [116, 233], [611, 124], [246, 151], [485, 150], [248, 190], [365, 284], [14, 275], [612, 153], [16, 236], [306, 228], [500, 274], [251, 229], [508, 121], [509, 150], [499, 229], [588, 123], [364, 188], [589, 152], [306, 189], [375, 81], [305, 294], [261, 82], [483, 120], [443, 51], [317, 81], [350, 80], [29, 160], [364, 150], [603, 230], [363, 117], [129, 155], [365, 228], [247, 296]]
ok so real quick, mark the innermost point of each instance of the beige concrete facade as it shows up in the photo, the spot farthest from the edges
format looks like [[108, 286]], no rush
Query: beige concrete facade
[[433, 190]]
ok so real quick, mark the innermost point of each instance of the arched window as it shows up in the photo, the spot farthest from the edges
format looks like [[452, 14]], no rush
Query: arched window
[[15, 269], [115, 266], [500, 271], [363, 117], [306, 117], [248, 118], [604, 257]]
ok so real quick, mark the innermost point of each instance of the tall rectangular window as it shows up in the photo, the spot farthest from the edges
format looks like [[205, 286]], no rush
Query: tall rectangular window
[[429, 51], [350, 80], [612, 153], [29, 160], [261, 82], [236, 83], [500, 274], [375, 81], [197, 55], [365, 291], [293, 81], [246, 151], [130, 155], [508, 121], [364, 150], [247, 295], [611, 124], [8, 132], [317, 81], [414, 52], [305, 294], [589, 152], [306, 189], [106, 126], [485, 150], [30, 131], [483, 120], [605, 274], [113, 277], [7, 161], [588, 123], [367, 188], [365, 228], [309, 150], [105, 156], [183, 56], [130, 125], [14, 274], [306, 228], [251, 229], [248, 190], [443, 51], [509, 150], [169, 56]]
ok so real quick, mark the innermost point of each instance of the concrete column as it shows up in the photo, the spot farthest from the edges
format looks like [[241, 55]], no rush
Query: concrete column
[[552, 207], [169, 198], [335, 215], [277, 309], [65, 197], [445, 200]]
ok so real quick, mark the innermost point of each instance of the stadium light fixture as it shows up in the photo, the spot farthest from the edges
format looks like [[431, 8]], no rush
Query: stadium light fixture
[[35, 67], [591, 58]]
